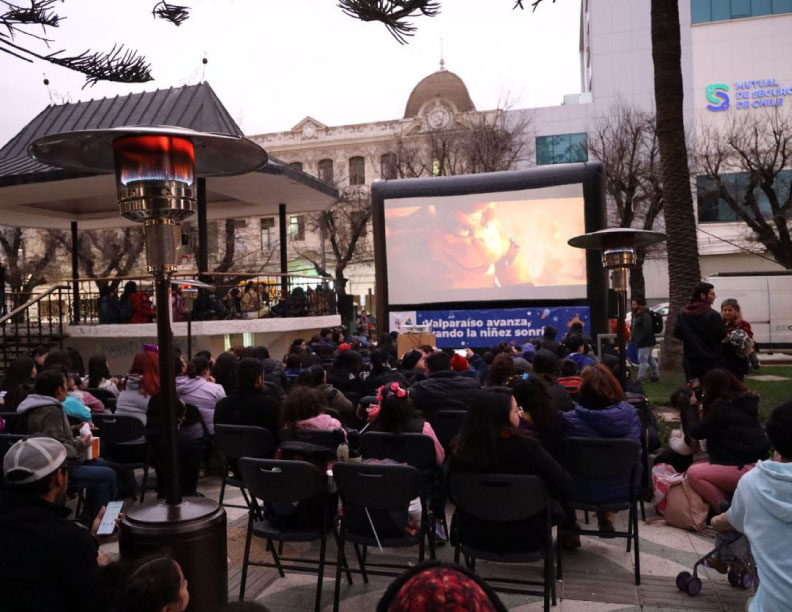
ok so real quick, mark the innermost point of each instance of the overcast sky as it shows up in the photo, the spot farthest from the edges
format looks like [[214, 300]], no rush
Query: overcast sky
[[272, 62]]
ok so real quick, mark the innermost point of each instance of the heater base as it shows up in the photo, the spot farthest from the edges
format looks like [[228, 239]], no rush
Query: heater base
[[194, 533]]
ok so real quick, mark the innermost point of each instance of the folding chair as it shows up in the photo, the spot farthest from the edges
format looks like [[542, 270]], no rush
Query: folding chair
[[446, 424], [641, 404], [104, 396], [289, 482], [320, 437], [504, 498], [115, 433], [237, 441], [413, 449], [611, 462], [367, 487]]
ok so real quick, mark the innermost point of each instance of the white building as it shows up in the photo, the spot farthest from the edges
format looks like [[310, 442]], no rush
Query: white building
[[742, 46]]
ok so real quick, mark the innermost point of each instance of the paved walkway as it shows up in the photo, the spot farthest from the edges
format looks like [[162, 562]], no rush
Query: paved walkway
[[598, 577]]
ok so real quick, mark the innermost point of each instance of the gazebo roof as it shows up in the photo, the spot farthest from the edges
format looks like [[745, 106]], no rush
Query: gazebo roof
[[33, 194]]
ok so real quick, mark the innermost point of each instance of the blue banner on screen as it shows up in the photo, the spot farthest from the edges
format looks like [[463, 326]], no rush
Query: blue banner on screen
[[486, 328]]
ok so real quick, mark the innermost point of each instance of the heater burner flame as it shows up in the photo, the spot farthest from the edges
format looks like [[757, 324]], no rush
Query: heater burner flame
[[154, 158]]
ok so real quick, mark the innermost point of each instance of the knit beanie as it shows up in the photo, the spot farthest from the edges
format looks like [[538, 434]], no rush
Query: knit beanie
[[439, 587], [459, 363]]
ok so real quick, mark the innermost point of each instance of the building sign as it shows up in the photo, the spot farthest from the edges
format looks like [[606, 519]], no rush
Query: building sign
[[760, 93], [486, 328]]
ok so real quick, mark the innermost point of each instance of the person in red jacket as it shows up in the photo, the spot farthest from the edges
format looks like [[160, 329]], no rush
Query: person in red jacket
[[135, 305], [738, 363]]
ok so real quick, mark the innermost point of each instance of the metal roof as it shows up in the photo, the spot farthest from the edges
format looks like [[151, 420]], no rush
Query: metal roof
[[192, 106]]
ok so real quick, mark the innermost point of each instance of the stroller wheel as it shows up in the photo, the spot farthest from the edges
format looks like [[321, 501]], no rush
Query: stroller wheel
[[746, 580], [682, 580], [734, 577], [694, 586]]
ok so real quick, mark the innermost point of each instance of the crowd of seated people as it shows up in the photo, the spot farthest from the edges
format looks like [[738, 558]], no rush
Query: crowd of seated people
[[520, 404]]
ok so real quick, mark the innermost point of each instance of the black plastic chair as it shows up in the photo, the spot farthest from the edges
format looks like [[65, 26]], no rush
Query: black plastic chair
[[417, 450], [287, 482], [115, 432], [320, 437], [381, 487], [237, 441], [641, 404], [104, 396], [446, 424], [8, 440], [605, 459], [504, 498]]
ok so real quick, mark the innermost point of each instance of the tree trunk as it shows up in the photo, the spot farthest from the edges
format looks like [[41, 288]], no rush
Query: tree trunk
[[637, 279], [683, 257]]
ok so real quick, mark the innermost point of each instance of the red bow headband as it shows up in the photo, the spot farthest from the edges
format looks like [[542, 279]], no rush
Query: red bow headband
[[391, 389]]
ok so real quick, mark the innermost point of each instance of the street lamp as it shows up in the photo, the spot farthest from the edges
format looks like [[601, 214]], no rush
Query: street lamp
[[156, 169], [618, 246]]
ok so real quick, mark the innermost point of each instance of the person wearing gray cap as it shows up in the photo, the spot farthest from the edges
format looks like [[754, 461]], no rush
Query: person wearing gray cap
[[48, 563]]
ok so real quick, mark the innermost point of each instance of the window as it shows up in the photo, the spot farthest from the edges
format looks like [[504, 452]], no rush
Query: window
[[357, 171], [355, 217], [297, 228], [713, 209], [389, 166], [240, 245], [561, 149], [296, 165], [268, 233], [326, 171], [705, 11]]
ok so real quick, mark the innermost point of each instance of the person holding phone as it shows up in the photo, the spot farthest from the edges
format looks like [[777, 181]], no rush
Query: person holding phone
[[48, 561]]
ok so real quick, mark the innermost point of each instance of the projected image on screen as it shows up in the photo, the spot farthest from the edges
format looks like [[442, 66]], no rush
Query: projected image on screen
[[496, 246]]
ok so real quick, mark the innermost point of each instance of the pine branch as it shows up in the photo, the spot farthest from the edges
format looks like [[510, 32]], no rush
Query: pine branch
[[174, 13], [39, 13], [392, 13], [119, 65]]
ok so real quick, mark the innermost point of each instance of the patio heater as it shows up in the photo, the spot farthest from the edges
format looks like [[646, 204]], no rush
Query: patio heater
[[618, 245], [156, 169]]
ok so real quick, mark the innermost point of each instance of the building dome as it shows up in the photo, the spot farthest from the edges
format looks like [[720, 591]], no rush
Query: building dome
[[441, 84]]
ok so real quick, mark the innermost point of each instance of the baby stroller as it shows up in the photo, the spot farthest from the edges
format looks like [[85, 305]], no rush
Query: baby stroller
[[731, 552]]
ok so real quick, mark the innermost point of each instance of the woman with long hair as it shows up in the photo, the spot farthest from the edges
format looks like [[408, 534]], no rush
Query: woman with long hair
[[99, 375], [728, 419], [602, 412], [196, 387], [142, 383], [541, 416], [738, 360], [490, 441], [395, 415], [18, 382], [501, 370]]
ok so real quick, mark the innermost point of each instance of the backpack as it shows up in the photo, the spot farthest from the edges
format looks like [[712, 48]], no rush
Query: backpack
[[740, 342], [657, 322]]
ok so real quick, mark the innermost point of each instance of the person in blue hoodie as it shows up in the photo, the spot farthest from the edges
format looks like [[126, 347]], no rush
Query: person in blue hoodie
[[601, 412], [577, 352], [762, 509]]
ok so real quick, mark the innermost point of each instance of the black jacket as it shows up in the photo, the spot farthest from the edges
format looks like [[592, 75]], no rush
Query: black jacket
[[443, 390], [516, 454], [250, 407], [702, 335], [48, 563], [732, 431]]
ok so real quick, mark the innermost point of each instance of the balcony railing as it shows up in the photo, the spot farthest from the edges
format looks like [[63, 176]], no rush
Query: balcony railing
[[279, 295]]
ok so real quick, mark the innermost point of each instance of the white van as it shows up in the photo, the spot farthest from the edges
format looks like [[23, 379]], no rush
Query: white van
[[765, 300]]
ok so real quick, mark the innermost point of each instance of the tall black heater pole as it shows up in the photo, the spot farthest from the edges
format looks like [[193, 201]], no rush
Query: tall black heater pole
[[284, 256], [621, 335], [170, 464]]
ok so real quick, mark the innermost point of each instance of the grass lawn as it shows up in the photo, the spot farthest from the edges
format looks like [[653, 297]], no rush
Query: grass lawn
[[771, 392]]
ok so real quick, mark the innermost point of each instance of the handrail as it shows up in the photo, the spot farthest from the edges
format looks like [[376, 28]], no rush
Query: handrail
[[29, 303], [194, 274]]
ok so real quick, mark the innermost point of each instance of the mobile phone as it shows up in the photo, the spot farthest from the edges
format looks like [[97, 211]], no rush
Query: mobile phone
[[108, 524], [461, 352]]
